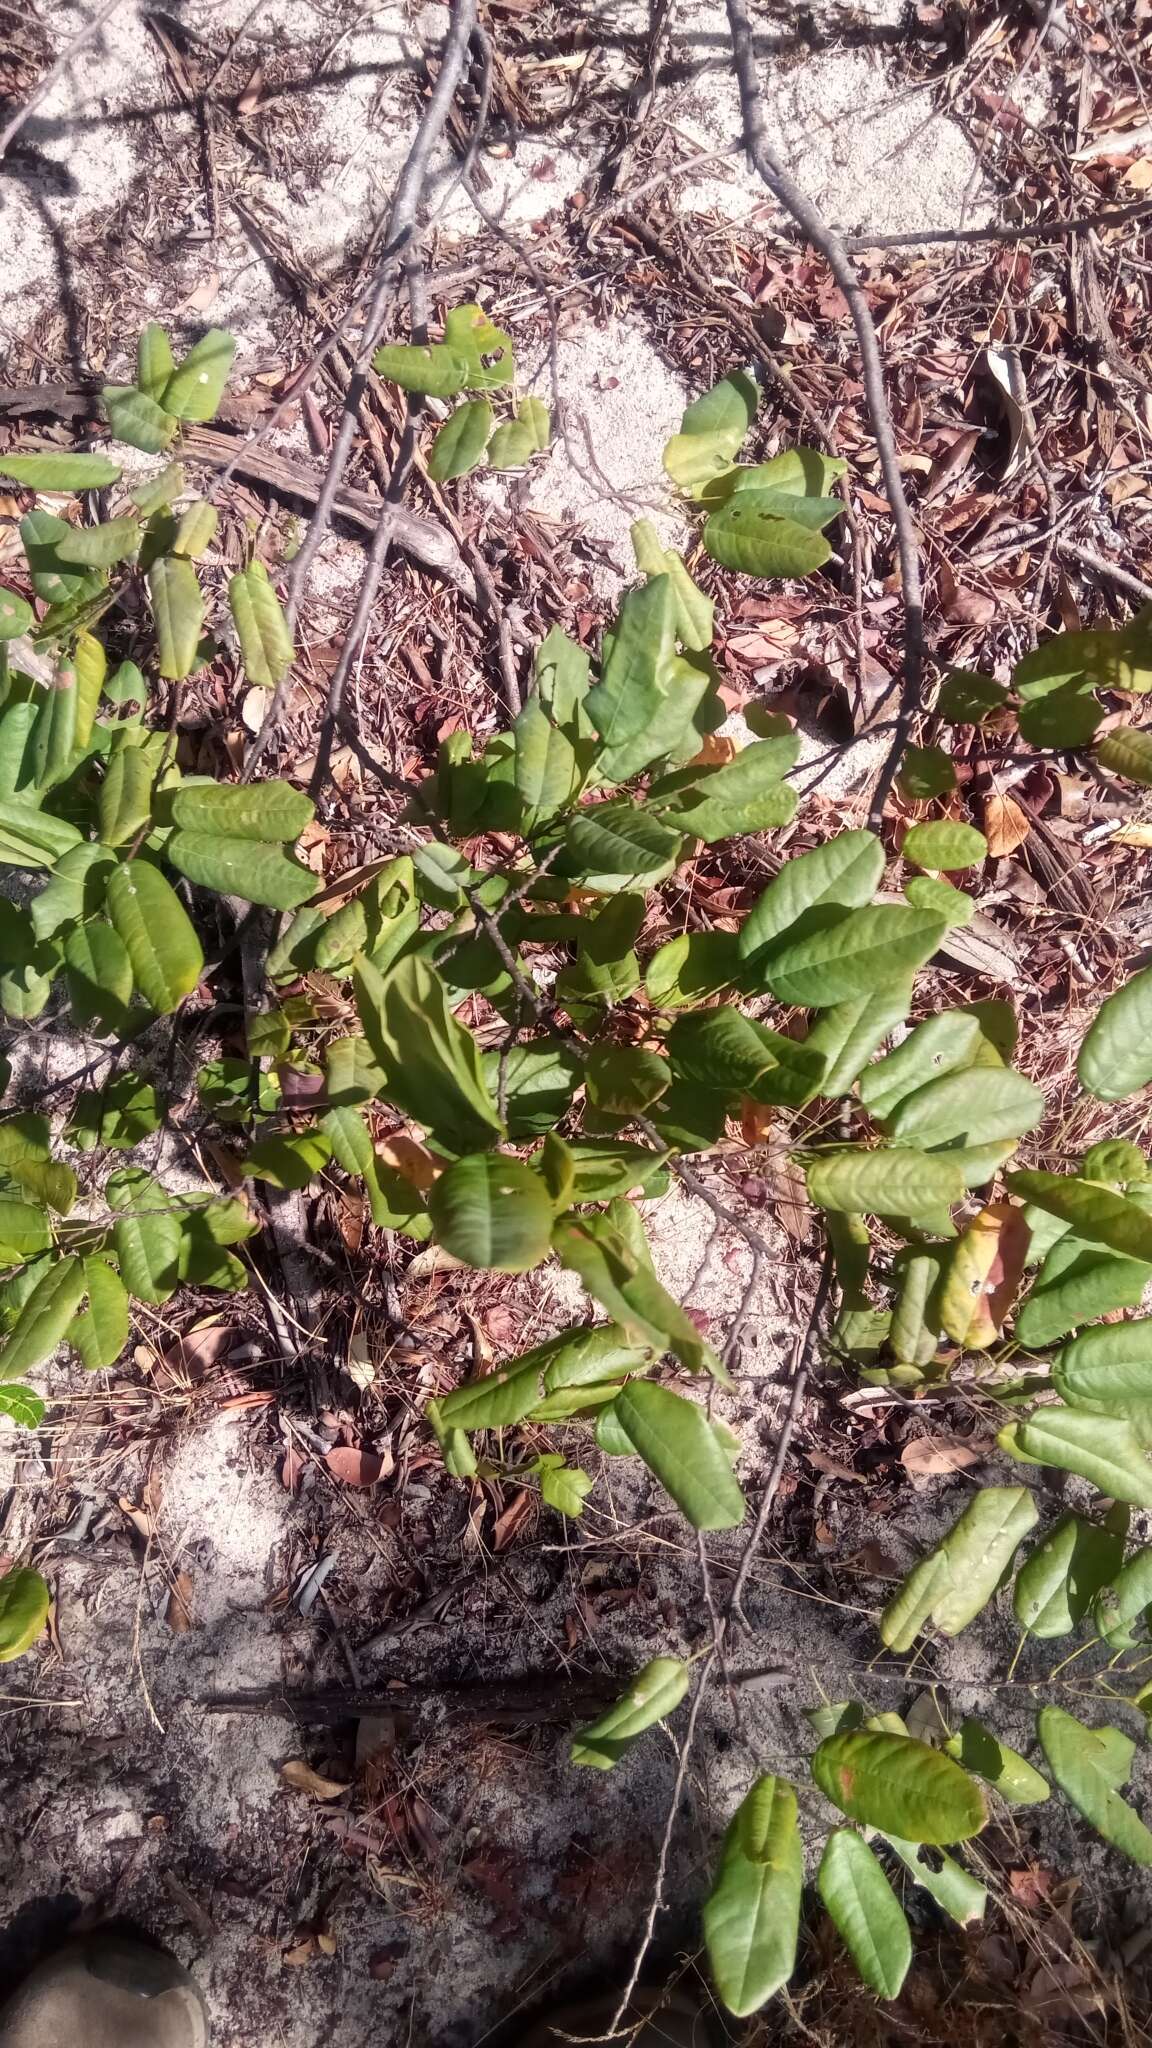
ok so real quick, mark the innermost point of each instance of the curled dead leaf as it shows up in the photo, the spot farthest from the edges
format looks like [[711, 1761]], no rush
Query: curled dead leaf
[[303, 1778], [180, 1604]]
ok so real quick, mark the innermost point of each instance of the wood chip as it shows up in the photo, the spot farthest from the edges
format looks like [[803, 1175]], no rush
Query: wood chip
[[303, 1778]]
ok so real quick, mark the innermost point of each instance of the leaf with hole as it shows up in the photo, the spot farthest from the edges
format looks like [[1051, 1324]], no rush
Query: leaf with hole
[[984, 1269], [768, 533], [751, 1916], [434, 370], [1089, 1765], [157, 933], [865, 1911], [1111, 1451], [195, 387], [951, 1586], [900, 1785], [980, 1035], [256, 810], [954, 1889], [1116, 1057], [487, 350], [266, 645], [653, 1694], [973, 1106]]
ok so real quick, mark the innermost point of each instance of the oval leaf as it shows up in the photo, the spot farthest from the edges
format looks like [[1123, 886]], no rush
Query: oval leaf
[[892, 1182], [1096, 1213], [196, 386], [461, 441], [752, 1914], [985, 1267], [945, 843], [44, 1319], [866, 1913], [1116, 1056], [24, 1602], [749, 534], [851, 955], [1057, 1583], [493, 1211], [682, 1447], [950, 1586], [654, 1693], [178, 609], [98, 547], [60, 472], [242, 867], [266, 645], [1088, 1765], [844, 873], [901, 1785], [162, 946], [1111, 1452], [100, 1334]]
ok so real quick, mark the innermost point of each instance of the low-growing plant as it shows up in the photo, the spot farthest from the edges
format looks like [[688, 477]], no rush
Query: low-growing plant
[[519, 884]]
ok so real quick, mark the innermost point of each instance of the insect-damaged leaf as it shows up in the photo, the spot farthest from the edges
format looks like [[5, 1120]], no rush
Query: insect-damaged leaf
[[769, 533], [1116, 1056], [1089, 1765], [752, 1914], [434, 369], [1058, 1581], [653, 1694], [984, 1270], [867, 1915], [950, 1586], [900, 1785]]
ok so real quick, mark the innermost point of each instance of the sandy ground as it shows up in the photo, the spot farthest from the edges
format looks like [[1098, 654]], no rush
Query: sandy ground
[[471, 1877]]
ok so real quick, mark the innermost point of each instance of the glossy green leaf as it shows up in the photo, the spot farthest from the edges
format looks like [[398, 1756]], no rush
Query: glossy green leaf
[[242, 867], [626, 1286], [158, 936], [951, 1586], [711, 431], [653, 1694], [178, 609], [896, 1181], [684, 1450], [16, 617], [865, 1911], [1097, 1214], [1109, 1450], [974, 1106], [1089, 1765], [126, 793], [434, 369], [196, 386], [1108, 1370], [101, 1332], [1116, 1056], [1004, 1769], [766, 533], [432, 1065], [800, 472], [145, 1235], [24, 1604], [1059, 1580], [900, 1785], [99, 975], [99, 547], [1121, 1606], [624, 1080], [44, 1318], [266, 645], [540, 1080], [1127, 751], [1077, 1282], [725, 1050], [751, 1916], [955, 1891], [945, 843], [22, 1407], [137, 419], [850, 955], [492, 1211], [59, 471]]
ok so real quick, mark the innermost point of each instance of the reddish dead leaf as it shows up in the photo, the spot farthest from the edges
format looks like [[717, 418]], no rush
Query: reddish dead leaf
[[755, 1120], [1031, 1887], [298, 1086], [351, 1216], [962, 607], [1006, 825], [358, 1468], [508, 1523], [180, 1604], [249, 99], [929, 1456], [193, 1354], [291, 1470]]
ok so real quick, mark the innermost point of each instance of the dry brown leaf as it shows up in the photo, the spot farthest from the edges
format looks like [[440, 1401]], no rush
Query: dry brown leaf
[[194, 1353], [249, 99], [411, 1159], [833, 1468], [1133, 835], [432, 1260], [928, 1456], [1006, 825], [303, 1778], [202, 295], [291, 1470], [301, 1953], [508, 1523], [358, 1361], [789, 1191], [756, 1120], [358, 1468], [180, 1604], [715, 752], [139, 1520]]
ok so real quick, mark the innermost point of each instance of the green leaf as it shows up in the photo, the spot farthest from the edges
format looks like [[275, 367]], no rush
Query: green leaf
[[1127, 751], [900, 1785], [431, 1063], [512, 446], [160, 491], [22, 1406], [1108, 1450], [393, 1203], [955, 1891], [1004, 1769], [461, 441], [289, 1159], [258, 810], [53, 740], [694, 610], [60, 472], [24, 1604], [624, 1080], [266, 645], [44, 1317], [1125, 1602], [24, 1231], [611, 1168], [848, 954], [893, 1182], [563, 1487], [691, 967], [100, 1334], [843, 873], [158, 936], [1059, 1580], [751, 1916], [145, 1235], [925, 773], [41, 533], [550, 765], [1077, 1282], [927, 892], [610, 843], [846, 1036], [486, 350], [434, 369], [126, 685], [724, 1050], [974, 1106], [945, 843], [197, 528], [16, 617], [628, 1289], [178, 610], [1116, 1056], [1116, 1161], [1065, 717], [685, 1452], [711, 431], [492, 1211], [99, 547], [125, 805], [154, 361], [137, 419], [951, 1586], [1096, 1214], [540, 1080], [121, 1114], [99, 975], [1089, 1765], [967, 698], [1108, 1371], [800, 472], [242, 867], [865, 1911], [653, 1694], [634, 669], [196, 386], [768, 533], [914, 1334]]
